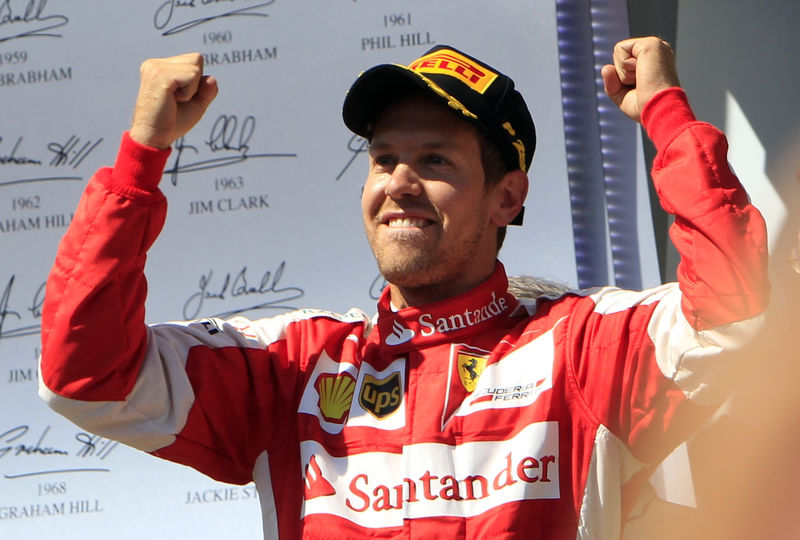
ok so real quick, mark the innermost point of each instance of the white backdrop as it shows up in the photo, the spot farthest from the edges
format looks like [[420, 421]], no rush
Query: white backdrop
[[264, 204]]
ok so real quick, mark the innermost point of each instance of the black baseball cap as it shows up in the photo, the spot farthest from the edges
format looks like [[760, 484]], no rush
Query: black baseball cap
[[479, 92]]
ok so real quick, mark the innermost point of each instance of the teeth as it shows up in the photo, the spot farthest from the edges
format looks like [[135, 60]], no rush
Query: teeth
[[406, 222]]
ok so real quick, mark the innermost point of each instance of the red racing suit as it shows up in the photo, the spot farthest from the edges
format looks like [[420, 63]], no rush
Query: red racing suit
[[479, 416]]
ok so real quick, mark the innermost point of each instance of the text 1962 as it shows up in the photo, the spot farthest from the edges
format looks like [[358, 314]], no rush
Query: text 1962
[[32, 202]]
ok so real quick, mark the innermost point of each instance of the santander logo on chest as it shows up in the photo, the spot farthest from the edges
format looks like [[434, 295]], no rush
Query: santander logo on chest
[[472, 311]]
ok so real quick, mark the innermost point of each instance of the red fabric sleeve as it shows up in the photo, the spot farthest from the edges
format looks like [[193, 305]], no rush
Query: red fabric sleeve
[[721, 237], [93, 312]]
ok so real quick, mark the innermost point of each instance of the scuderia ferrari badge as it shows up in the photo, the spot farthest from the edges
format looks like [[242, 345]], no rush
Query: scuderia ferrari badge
[[470, 368]]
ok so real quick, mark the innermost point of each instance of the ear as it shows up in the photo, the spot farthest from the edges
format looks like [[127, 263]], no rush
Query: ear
[[509, 196]]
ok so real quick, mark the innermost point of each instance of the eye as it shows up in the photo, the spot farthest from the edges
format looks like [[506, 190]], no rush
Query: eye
[[384, 161], [435, 159]]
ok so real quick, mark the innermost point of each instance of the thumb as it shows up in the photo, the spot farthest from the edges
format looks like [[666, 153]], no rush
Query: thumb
[[623, 95], [190, 112], [206, 92], [612, 84]]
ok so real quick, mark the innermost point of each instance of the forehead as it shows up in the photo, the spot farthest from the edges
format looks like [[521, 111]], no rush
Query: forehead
[[422, 119]]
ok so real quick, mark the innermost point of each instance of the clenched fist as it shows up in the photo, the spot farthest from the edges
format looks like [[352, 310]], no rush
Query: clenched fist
[[641, 68], [173, 95]]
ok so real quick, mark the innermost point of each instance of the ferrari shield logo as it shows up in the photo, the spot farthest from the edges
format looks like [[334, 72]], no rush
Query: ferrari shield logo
[[470, 368]]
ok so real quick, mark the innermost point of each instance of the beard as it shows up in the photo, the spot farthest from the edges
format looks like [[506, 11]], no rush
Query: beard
[[409, 261]]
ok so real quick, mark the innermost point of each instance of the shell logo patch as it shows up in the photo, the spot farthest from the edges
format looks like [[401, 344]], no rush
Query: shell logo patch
[[447, 62], [335, 394], [470, 368]]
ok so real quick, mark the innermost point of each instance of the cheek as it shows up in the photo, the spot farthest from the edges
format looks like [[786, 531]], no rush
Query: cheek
[[371, 197], [460, 208]]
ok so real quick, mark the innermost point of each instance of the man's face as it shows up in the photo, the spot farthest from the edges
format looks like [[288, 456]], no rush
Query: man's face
[[426, 212]]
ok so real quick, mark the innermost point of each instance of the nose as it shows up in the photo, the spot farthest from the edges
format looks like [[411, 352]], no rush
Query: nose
[[404, 181]]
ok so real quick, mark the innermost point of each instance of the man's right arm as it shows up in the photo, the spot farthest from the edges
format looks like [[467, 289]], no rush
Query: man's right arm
[[93, 312], [101, 365], [182, 390], [118, 218]]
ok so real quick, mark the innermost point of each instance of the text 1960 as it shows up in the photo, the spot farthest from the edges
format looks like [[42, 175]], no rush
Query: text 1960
[[217, 37]]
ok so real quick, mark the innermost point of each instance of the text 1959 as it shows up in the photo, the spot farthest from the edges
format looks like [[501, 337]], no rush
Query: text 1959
[[13, 58]]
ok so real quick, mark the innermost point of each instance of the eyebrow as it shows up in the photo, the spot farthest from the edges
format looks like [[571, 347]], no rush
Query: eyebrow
[[433, 145]]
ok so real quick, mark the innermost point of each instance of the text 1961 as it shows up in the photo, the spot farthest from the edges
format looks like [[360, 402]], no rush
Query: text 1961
[[397, 19]]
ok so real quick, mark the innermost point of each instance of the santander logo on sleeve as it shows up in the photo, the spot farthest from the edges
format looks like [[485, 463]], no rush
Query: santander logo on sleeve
[[380, 489]]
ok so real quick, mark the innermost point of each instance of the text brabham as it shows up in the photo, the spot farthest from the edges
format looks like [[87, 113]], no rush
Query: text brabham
[[34, 76]]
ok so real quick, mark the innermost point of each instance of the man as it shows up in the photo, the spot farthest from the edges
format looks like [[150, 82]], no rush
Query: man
[[459, 411]]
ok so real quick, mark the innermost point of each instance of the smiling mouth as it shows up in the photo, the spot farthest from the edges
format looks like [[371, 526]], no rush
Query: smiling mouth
[[407, 222]]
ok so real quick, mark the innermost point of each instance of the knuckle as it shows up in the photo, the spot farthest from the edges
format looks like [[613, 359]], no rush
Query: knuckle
[[150, 67], [196, 58]]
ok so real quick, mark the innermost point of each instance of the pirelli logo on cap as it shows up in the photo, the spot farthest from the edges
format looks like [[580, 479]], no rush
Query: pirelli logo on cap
[[447, 62]]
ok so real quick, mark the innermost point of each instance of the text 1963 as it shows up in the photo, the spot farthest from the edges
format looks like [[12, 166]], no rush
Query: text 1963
[[228, 183]]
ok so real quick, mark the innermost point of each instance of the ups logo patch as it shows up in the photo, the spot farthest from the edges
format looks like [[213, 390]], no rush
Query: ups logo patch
[[381, 397]]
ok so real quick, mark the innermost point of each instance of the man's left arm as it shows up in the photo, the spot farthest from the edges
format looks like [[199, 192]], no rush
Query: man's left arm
[[654, 364], [721, 237]]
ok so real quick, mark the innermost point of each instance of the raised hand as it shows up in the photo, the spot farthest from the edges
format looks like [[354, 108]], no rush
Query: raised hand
[[641, 68], [173, 96]]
